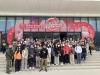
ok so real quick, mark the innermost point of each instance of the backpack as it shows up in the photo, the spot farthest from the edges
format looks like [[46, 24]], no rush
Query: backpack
[[17, 55]]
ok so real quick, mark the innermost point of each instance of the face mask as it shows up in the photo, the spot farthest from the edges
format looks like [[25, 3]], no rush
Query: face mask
[[58, 45]]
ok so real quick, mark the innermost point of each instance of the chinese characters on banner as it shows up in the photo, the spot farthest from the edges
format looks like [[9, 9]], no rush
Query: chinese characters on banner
[[51, 25]]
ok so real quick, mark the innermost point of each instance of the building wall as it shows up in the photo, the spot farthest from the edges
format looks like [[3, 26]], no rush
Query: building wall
[[7, 22]]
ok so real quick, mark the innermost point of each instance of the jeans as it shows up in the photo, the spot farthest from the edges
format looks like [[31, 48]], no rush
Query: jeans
[[78, 58], [17, 65], [84, 56], [24, 63], [56, 60], [37, 61]]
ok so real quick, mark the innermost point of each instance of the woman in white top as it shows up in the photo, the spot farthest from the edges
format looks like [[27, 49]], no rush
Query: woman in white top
[[49, 55], [24, 58], [78, 50]]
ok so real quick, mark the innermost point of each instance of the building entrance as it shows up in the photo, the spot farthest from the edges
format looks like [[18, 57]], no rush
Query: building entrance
[[52, 35]]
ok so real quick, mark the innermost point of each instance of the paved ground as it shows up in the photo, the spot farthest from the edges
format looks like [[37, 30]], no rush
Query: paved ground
[[90, 67], [58, 72]]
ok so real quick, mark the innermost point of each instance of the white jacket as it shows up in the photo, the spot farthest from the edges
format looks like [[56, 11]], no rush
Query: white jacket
[[25, 53], [49, 51], [78, 49]]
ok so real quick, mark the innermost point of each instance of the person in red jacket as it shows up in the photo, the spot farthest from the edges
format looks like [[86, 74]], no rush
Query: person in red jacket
[[67, 51]]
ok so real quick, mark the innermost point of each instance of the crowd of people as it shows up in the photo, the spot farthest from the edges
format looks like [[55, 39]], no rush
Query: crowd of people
[[40, 53]]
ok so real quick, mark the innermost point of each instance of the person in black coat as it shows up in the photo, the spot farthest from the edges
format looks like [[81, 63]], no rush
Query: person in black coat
[[43, 56]]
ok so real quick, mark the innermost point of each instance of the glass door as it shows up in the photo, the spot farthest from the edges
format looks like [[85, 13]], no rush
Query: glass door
[[74, 35]]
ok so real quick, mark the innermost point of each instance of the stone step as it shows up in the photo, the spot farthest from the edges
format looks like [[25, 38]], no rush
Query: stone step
[[74, 67], [67, 67], [92, 62]]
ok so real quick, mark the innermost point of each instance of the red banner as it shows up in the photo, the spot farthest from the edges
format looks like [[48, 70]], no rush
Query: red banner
[[53, 25]]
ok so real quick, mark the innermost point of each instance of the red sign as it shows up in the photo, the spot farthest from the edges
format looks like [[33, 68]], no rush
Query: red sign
[[53, 25]]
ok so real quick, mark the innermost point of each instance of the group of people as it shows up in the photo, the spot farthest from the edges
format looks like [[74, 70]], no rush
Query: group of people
[[40, 53]]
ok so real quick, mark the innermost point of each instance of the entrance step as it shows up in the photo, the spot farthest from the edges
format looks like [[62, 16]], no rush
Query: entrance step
[[2, 62], [92, 62]]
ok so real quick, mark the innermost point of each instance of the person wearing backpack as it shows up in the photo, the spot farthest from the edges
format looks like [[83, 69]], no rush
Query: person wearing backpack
[[17, 58]]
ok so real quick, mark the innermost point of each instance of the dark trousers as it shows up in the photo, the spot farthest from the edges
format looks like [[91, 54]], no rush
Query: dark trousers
[[66, 58], [4, 50], [61, 58], [17, 65], [52, 59], [78, 58], [12, 62], [90, 50], [31, 62], [84, 56]]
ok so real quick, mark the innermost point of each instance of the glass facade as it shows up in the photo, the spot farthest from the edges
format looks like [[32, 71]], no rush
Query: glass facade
[[7, 22]]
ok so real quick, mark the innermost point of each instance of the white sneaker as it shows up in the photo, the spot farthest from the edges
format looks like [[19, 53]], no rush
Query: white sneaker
[[30, 68], [57, 64], [48, 64], [33, 68], [62, 64]]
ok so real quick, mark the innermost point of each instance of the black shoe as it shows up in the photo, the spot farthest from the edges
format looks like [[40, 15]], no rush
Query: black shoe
[[46, 70], [8, 72], [40, 70]]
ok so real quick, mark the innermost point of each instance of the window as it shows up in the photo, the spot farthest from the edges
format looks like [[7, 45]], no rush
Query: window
[[34, 21], [83, 19], [27, 21], [19, 20], [10, 22], [92, 22], [2, 24], [98, 24], [42, 21], [77, 19], [69, 18]]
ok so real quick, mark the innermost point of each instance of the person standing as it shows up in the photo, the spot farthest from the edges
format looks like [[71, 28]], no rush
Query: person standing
[[4, 46], [61, 55], [84, 52], [14, 46], [43, 56], [31, 56], [9, 55], [38, 49], [52, 54], [57, 53], [49, 55], [72, 61], [24, 58], [17, 58], [67, 51], [90, 46], [78, 50]]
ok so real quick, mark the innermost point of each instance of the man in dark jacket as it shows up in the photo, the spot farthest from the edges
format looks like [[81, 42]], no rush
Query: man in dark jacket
[[43, 56], [9, 55]]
